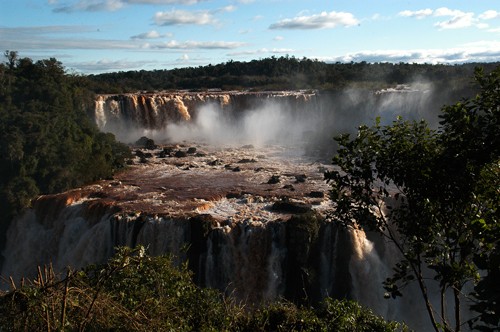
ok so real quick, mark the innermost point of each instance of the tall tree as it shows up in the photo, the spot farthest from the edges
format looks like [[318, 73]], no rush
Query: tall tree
[[434, 194]]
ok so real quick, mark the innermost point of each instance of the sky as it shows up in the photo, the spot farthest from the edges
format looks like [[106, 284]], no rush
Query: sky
[[95, 36]]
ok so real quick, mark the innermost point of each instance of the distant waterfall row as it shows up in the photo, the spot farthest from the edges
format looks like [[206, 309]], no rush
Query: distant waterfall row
[[122, 113]]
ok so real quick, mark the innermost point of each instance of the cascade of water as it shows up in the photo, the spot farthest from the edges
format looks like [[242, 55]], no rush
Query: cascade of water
[[100, 115], [368, 271], [328, 260], [275, 280], [69, 240]]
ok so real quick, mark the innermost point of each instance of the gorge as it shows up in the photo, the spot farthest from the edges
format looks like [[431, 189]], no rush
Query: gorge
[[234, 186]]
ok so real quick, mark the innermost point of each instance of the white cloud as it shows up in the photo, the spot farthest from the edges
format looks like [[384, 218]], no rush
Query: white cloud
[[485, 51], [459, 19], [112, 5], [228, 9], [418, 14], [106, 65], [182, 17], [456, 22], [196, 45], [33, 38], [183, 58], [489, 15], [263, 51], [153, 34], [278, 38], [319, 21]]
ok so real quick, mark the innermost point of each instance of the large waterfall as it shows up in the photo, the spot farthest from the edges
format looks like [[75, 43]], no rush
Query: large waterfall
[[246, 211]]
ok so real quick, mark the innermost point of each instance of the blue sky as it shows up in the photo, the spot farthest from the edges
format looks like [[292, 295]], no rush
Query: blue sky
[[93, 36]]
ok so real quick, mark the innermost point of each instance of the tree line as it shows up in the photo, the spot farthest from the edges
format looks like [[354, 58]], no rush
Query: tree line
[[282, 73]]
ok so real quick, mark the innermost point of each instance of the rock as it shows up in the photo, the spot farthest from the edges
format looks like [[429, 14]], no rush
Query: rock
[[246, 161], [274, 179], [150, 145], [168, 150], [289, 187], [215, 162], [180, 154], [291, 207], [316, 194], [237, 169], [300, 178], [141, 154], [142, 141], [147, 143], [191, 150]]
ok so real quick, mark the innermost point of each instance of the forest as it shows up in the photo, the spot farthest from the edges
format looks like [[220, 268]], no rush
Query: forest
[[446, 217], [283, 73]]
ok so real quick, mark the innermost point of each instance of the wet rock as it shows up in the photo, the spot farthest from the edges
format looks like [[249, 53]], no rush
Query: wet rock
[[168, 150], [246, 161], [215, 162], [147, 143], [180, 154], [301, 178], [316, 194], [141, 154], [274, 179], [237, 169], [289, 187], [286, 206], [191, 150], [234, 195]]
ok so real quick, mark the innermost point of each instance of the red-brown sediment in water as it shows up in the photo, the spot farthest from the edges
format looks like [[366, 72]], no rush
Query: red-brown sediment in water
[[224, 182]]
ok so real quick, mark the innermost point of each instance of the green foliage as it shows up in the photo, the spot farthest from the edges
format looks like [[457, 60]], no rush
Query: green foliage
[[136, 292], [283, 73], [47, 142], [434, 194]]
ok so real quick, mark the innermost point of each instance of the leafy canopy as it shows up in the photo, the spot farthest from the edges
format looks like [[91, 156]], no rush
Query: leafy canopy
[[47, 142], [435, 195]]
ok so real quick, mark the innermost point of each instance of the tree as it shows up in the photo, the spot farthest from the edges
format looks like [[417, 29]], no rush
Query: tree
[[47, 142], [434, 194]]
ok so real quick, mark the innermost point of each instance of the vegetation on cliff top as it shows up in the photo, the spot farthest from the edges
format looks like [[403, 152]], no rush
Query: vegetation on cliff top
[[285, 73], [48, 144]]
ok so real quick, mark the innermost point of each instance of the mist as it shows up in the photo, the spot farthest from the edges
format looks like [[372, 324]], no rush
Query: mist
[[291, 120]]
